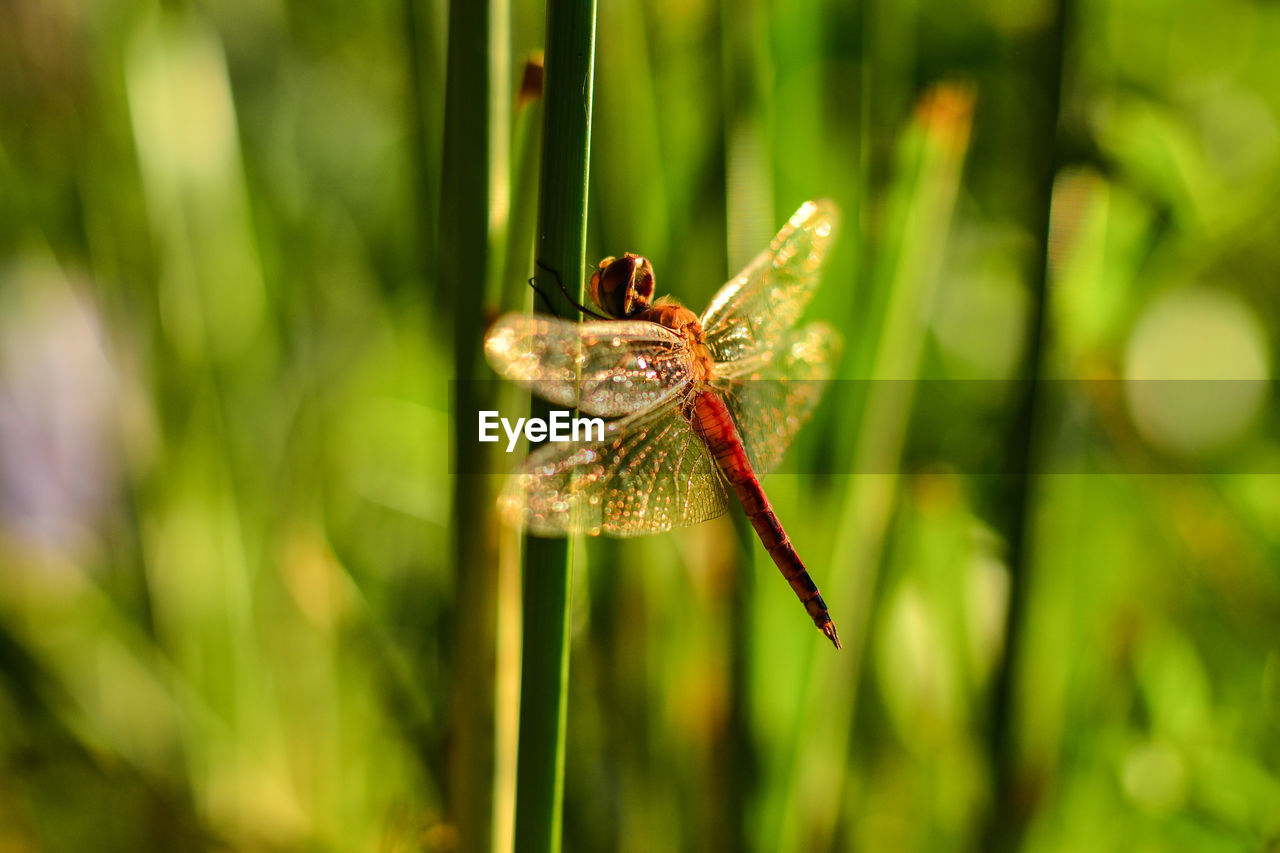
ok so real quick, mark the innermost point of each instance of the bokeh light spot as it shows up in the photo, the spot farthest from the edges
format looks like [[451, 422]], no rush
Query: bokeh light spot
[[1196, 368]]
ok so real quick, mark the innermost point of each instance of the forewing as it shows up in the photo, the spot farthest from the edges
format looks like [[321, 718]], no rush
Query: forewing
[[651, 473], [769, 296], [604, 367], [772, 392]]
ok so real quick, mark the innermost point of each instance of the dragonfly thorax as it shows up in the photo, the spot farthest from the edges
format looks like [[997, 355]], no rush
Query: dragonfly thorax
[[623, 287]]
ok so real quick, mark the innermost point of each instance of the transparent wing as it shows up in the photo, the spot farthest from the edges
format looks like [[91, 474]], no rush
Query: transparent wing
[[772, 392], [769, 296], [651, 473], [605, 367]]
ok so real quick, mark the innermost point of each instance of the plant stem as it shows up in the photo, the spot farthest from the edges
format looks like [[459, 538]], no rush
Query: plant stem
[[474, 163], [1014, 800], [561, 249], [514, 295], [747, 95], [514, 292]]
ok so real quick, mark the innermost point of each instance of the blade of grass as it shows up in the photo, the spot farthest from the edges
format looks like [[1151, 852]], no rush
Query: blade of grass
[[748, 112], [514, 291], [473, 175], [515, 295], [747, 92], [201, 567], [424, 46], [1014, 801], [920, 216], [634, 213], [561, 251]]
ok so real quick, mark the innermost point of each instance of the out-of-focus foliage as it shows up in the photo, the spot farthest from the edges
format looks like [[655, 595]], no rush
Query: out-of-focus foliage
[[226, 613]]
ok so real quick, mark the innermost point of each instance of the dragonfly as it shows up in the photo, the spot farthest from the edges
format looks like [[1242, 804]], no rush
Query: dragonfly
[[700, 407]]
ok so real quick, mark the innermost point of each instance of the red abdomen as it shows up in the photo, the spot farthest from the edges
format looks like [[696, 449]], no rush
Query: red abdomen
[[714, 422]]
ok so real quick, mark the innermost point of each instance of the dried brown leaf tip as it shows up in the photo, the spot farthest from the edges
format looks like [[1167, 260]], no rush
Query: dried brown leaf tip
[[946, 111], [531, 80]]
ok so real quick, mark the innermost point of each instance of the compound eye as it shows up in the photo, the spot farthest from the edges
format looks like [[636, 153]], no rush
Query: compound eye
[[594, 286], [609, 285], [623, 287], [640, 288]]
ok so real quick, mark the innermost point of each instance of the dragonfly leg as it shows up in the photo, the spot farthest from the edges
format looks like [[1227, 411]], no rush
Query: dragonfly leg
[[533, 282], [567, 295]]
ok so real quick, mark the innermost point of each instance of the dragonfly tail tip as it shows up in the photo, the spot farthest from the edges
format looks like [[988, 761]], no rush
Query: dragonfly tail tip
[[830, 630]]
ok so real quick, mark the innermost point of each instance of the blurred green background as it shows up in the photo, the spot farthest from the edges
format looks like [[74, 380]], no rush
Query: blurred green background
[[227, 611]]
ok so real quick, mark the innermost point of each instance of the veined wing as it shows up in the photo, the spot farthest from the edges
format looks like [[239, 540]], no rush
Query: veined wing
[[604, 367], [651, 473], [769, 296], [772, 392]]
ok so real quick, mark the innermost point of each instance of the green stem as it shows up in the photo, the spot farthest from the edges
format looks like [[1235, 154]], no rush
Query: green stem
[[1014, 803], [747, 95], [474, 163], [515, 294], [561, 251]]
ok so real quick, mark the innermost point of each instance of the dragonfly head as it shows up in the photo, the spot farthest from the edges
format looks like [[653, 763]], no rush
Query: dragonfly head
[[623, 287]]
